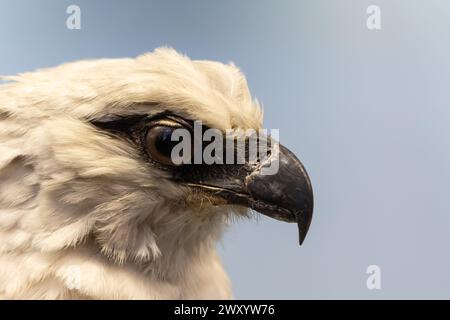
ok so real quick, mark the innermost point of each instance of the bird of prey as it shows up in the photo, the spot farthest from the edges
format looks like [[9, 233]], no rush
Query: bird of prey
[[92, 205]]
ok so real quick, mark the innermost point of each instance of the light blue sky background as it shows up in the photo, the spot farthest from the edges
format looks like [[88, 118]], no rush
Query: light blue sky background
[[368, 113]]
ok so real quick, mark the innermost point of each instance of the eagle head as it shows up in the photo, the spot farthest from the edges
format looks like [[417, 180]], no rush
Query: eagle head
[[88, 173]]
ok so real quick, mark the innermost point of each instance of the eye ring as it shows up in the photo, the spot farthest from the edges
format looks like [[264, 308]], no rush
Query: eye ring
[[159, 144]]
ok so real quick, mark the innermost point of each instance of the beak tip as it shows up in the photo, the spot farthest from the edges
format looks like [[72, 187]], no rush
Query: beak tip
[[302, 232], [304, 221]]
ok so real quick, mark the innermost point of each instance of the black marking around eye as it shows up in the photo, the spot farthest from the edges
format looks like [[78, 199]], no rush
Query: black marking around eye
[[121, 125], [134, 129], [129, 124]]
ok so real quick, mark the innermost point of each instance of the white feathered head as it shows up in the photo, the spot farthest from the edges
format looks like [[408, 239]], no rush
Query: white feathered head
[[84, 158]]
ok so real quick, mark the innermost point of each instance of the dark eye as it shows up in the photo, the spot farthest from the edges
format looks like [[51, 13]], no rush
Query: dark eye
[[159, 144]]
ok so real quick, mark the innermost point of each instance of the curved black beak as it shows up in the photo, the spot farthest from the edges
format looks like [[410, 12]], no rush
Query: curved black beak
[[278, 186], [286, 195]]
